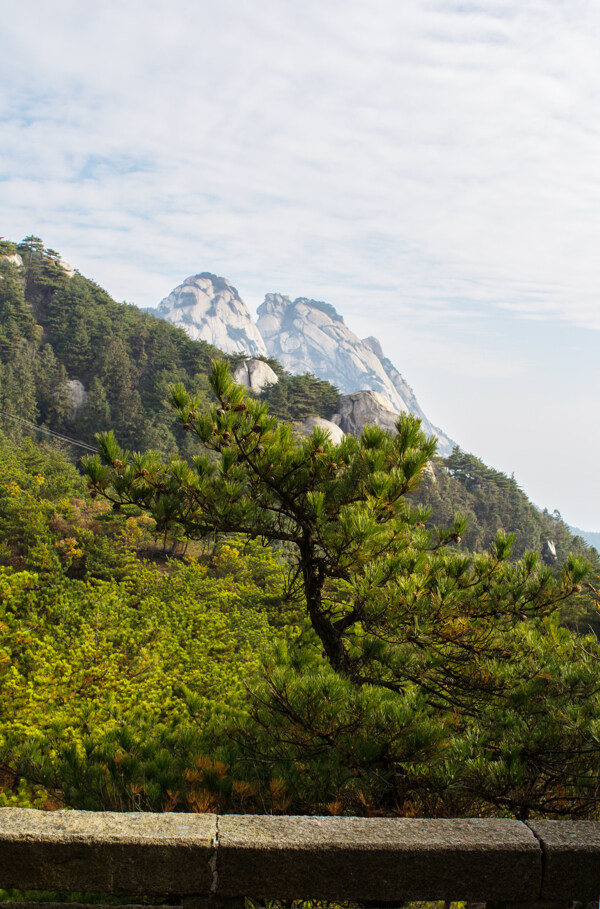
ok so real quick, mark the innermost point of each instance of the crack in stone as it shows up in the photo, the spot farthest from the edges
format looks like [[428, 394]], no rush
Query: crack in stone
[[213, 861], [542, 846]]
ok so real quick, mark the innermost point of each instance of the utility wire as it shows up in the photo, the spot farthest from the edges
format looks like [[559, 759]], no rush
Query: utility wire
[[56, 435]]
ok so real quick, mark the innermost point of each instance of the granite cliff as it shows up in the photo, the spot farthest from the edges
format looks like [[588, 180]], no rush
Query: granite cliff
[[305, 336], [210, 309], [310, 336]]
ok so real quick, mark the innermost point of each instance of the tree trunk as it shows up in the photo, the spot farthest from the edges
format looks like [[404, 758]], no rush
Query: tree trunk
[[330, 637]]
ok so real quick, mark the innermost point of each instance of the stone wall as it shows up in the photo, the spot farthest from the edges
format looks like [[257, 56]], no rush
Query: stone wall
[[210, 860]]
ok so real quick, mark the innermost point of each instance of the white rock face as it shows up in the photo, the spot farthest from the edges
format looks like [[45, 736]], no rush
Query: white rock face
[[68, 269], [310, 336], [335, 433], [210, 309], [305, 336], [255, 374], [357, 410], [361, 408], [15, 258], [78, 394]]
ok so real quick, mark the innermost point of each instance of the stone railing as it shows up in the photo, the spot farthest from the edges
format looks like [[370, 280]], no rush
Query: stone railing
[[205, 860]]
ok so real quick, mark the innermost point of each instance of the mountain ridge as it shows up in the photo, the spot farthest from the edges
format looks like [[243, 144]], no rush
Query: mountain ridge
[[304, 335], [591, 537]]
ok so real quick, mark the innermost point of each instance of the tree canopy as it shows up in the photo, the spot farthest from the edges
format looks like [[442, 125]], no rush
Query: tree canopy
[[398, 616]]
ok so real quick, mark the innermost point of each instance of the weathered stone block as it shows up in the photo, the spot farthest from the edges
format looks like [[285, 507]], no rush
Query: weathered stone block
[[106, 851], [377, 859], [571, 852]]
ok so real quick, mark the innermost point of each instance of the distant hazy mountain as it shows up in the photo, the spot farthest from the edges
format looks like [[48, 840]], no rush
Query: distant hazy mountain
[[304, 335], [593, 539]]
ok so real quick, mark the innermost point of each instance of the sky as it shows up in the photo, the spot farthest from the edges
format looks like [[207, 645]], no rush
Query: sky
[[429, 167]]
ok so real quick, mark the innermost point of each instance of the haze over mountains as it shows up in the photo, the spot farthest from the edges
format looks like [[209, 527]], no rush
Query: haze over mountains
[[303, 335]]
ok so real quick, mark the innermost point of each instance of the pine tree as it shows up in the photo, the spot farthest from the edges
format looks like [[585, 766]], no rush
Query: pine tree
[[16, 319], [17, 392], [119, 381], [401, 618], [95, 415], [344, 508], [55, 405]]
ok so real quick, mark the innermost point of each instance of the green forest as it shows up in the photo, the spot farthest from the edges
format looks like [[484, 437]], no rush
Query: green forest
[[215, 613]]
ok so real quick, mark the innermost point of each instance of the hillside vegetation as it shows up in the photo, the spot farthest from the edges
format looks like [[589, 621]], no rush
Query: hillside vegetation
[[147, 662]]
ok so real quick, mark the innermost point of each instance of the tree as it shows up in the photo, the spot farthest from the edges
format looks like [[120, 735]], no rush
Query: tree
[[396, 609], [16, 320], [119, 381], [95, 414], [29, 246], [17, 390], [53, 395], [297, 397]]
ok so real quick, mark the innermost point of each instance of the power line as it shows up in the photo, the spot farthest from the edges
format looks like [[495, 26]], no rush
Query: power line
[[56, 435], [19, 346]]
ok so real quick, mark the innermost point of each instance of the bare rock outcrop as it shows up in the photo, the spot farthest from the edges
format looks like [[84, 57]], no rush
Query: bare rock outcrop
[[361, 408], [357, 410], [14, 259], [210, 309], [68, 269], [77, 393], [310, 336], [254, 374], [335, 433], [304, 336]]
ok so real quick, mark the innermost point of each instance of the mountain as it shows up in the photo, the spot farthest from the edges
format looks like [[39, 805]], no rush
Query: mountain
[[310, 336], [305, 336], [592, 539], [210, 309]]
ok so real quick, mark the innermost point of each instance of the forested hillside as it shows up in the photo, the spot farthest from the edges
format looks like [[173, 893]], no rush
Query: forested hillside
[[248, 621], [493, 501], [55, 328]]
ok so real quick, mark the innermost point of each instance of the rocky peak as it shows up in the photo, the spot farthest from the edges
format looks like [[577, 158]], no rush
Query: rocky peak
[[210, 309], [375, 345], [310, 336], [278, 310], [305, 336]]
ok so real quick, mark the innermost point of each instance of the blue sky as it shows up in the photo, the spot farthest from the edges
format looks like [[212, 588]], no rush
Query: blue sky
[[430, 168]]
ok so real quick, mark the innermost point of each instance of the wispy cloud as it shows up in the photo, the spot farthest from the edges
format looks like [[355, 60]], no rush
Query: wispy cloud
[[437, 146]]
